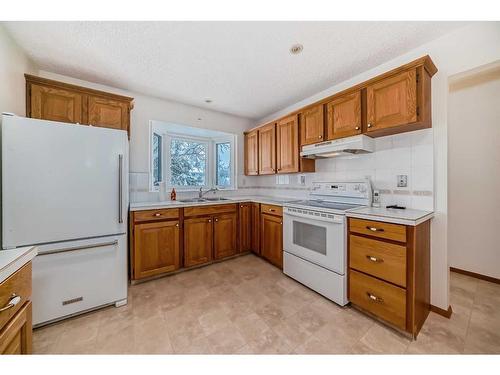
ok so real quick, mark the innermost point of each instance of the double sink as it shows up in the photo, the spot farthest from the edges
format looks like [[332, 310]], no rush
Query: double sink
[[200, 200]]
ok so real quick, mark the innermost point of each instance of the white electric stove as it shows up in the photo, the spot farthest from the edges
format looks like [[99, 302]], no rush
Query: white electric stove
[[314, 236]]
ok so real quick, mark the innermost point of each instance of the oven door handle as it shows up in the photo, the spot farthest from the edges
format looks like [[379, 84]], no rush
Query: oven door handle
[[337, 219]]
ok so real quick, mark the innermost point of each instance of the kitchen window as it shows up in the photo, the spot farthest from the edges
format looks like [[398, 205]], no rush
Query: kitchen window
[[188, 158], [156, 156]]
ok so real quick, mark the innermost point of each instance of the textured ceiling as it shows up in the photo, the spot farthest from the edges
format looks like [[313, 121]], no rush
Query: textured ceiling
[[244, 67]]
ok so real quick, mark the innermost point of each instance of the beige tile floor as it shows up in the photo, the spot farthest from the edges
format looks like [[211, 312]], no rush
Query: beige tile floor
[[245, 305]]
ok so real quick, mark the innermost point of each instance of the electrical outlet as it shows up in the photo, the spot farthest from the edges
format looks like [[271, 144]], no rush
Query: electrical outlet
[[302, 179], [402, 180]]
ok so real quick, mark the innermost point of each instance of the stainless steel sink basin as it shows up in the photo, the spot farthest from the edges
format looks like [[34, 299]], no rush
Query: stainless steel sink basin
[[193, 200], [215, 199]]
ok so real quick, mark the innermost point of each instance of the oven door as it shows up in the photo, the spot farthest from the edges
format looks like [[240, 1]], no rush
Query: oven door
[[316, 237]]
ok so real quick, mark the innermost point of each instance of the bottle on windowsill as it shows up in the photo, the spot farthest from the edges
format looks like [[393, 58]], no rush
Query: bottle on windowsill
[[173, 195]]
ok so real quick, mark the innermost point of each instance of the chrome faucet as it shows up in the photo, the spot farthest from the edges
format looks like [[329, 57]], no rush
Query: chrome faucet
[[202, 193]]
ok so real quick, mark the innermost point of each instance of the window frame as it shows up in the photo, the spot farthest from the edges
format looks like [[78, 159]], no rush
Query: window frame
[[210, 163]]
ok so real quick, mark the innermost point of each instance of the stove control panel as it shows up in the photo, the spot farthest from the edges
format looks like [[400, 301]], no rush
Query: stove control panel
[[351, 189]]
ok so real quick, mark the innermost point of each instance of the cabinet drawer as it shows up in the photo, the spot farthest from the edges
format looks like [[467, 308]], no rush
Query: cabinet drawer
[[271, 209], [395, 232], [378, 258], [209, 210], [19, 284], [154, 215], [382, 299]]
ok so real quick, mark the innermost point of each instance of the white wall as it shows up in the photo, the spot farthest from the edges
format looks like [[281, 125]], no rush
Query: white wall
[[13, 64], [474, 163], [148, 108], [459, 51]]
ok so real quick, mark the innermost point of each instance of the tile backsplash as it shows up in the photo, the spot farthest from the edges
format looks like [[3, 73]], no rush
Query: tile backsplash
[[409, 154]]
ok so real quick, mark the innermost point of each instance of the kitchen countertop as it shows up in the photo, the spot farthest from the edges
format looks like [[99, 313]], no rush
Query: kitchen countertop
[[407, 216], [12, 260], [279, 201]]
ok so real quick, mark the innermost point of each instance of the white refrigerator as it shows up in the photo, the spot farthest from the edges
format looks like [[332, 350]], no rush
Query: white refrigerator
[[65, 189]]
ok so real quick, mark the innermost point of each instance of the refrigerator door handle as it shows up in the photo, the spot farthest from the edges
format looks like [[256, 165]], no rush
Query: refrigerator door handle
[[83, 247], [120, 188]]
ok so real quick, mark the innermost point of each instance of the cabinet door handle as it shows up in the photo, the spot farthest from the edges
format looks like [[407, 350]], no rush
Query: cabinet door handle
[[216, 220], [374, 259], [14, 300], [209, 220], [281, 222], [369, 125], [373, 229], [374, 298], [177, 225], [320, 136], [357, 128]]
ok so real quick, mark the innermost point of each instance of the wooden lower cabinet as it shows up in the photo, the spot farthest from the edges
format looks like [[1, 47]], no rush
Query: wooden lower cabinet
[[245, 226], [198, 238], [156, 248], [389, 271], [225, 235], [16, 336], [271, 247], [255, 246], [15, 319]]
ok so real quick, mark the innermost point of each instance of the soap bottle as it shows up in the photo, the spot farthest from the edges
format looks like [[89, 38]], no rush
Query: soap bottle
[[173, 195]]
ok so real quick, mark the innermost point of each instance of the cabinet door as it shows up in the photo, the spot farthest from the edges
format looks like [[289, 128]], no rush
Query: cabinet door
[[287, 145], [48, 103], [108, 113], [16, 336], [272, 239], [255, 238], [312, 125], [344, 116], [198, 236], [252, 153], [392, 101], [225, 235], [267, 149], [245, 226], [156, 248]]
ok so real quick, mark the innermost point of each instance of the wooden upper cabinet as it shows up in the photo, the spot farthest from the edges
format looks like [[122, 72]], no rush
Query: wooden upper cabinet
[[57, 101], [252, 153], [312, 125], [344, 116], [225, 235], [267, 149], [49, 103], [108, 113], [287, 150], [156, 248], [392, 101], [198, 236]]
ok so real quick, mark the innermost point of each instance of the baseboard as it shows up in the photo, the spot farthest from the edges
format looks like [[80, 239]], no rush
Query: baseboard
[[442, 312], [476, 275]]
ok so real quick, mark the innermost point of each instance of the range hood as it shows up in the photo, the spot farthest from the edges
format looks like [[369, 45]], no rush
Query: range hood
[[358, 144]]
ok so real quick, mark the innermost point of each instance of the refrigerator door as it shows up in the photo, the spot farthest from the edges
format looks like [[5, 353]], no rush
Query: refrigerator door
[[61, 182], [76, 276]]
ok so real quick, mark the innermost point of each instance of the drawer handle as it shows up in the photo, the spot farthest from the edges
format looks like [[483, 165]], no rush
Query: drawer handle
[[373, 229], [374, 298], [157, 215], [271, 210], [373, 259], [14, 300]]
